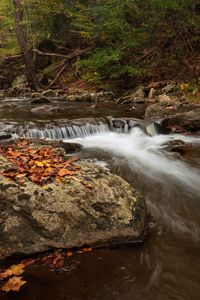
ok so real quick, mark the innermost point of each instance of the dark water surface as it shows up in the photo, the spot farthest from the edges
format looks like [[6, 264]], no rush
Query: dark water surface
[[20, 110], [165, 267]]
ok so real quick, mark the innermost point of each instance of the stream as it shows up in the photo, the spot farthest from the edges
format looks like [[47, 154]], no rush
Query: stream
[[166, 266]]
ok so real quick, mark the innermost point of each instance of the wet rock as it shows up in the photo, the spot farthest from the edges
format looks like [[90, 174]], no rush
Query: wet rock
[[183, 122], [19, 81], [162, 99], [139, 100], [132, 123], [5, 135], [41, 100], [49, 94], [118, 124], [156, 110], [153, 129], [45, 110], [167, 106], [72, 147], [139, 93], [152, 93], [169, 88], [176, 146], [92, 97], [94, 207], [188, 152]]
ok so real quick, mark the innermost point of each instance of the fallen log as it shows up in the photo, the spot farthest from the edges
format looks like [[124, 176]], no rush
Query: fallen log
[[67, 58], [77, 52]]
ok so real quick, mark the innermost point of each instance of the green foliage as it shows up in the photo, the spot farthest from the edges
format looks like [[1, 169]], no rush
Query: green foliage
[[8, 43]]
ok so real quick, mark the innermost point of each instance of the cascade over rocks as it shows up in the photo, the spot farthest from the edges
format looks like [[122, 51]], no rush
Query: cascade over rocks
[[92, 207], [76, 128]]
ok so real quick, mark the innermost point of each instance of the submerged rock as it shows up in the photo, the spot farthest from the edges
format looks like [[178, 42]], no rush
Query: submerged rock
[[5, 135], [41, 100], [93, 207], [45, 110]]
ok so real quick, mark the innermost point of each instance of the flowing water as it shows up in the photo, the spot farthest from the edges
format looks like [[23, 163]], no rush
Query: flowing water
[[167, 265]]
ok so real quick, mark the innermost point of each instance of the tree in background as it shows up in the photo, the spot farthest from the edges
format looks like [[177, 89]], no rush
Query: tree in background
[[18, 17]]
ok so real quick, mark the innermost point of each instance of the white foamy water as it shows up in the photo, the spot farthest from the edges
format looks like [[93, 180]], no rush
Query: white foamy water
[[145, 153]]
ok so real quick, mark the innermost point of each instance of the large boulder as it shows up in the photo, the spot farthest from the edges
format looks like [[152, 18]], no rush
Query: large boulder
[[93, 207], [168, 106], [183, 122]]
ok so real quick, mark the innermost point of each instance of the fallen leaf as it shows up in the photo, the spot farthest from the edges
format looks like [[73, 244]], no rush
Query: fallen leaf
[[69, 253], [39, 163], [21, 175], [85, 250], [64, 172], [14, 270], [13, 284], [5, 274]]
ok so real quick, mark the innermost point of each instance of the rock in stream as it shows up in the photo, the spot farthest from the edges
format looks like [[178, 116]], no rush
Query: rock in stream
[[94, 208]]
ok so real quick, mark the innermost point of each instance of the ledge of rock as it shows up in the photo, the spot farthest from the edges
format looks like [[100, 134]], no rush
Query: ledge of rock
[[94, 207]]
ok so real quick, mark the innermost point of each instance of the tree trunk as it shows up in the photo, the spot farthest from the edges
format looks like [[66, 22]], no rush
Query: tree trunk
[[18, 14]]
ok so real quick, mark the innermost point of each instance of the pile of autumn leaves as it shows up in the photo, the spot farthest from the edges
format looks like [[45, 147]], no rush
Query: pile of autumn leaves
[[40, 164]]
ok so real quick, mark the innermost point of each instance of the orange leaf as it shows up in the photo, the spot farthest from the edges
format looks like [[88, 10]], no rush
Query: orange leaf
[[21, 175], [64, 172], [69, 253], [13, 284], [13, 270]]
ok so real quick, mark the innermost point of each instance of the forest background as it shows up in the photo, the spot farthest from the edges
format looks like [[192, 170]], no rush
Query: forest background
[[128, 42]]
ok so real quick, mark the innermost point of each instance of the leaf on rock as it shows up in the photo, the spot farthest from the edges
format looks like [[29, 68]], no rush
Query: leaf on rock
[[64, 172]]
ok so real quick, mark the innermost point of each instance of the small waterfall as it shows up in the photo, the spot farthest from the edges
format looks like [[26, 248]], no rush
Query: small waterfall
[[80, 128], [69, 131]]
